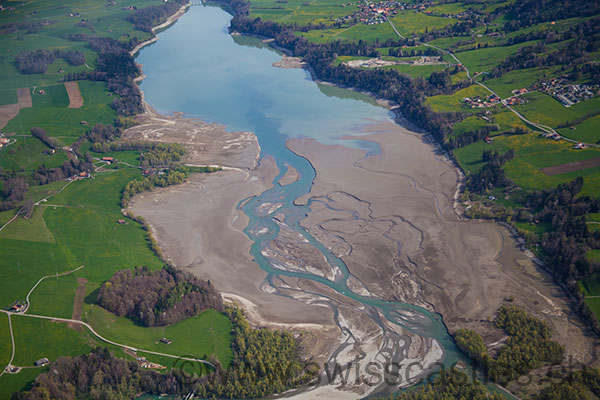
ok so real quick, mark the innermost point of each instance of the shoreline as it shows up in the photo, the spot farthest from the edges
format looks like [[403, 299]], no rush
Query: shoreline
[[170, 20]]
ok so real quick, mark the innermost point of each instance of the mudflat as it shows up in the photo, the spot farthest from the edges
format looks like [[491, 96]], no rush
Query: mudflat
[[391, 218]]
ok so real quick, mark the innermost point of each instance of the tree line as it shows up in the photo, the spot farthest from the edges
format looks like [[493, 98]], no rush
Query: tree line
[[146, 18], [529, 346], [158, 298], [37, 61]]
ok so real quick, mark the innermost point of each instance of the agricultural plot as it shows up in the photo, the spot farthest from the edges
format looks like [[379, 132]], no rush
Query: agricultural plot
[[544, 109], [301, 12], [51, 112], [206, 334], [587, 131], [486, 59], [523, 78], [453, 102]]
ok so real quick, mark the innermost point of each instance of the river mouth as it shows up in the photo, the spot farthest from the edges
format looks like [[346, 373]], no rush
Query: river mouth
[[346, 224]]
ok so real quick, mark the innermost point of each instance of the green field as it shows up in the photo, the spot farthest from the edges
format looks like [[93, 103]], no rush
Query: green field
[[524, 78], [203, 335], [453, 102], [51, 113], [588, 131], [544, 109], [301, 12]]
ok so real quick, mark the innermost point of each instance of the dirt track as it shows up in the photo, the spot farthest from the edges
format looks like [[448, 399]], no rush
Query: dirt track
[[571, 166]]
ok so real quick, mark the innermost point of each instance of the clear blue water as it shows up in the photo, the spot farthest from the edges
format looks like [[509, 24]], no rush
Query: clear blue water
[[198, 68]]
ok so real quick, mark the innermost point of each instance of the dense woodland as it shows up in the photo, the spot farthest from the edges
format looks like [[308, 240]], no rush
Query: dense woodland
[[529, 346], [157, 298], [265, 362], [146, 18]]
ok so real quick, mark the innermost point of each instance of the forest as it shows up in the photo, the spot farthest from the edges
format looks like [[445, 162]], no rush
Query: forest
[[265, 362], [529, 346], [158, 298]]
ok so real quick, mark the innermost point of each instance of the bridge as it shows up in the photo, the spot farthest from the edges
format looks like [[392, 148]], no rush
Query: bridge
[[196, 2]]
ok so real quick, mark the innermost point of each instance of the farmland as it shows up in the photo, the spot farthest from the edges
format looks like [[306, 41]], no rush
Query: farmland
[[73, 223]]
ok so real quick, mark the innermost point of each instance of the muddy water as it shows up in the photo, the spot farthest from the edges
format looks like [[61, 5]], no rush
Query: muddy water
[[198, 68]]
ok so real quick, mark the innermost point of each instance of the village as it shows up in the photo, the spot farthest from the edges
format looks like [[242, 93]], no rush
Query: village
[[377, 13], [568, 94], [481, 102]]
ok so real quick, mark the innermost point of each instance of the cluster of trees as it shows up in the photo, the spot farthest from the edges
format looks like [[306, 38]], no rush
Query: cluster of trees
[[146, 18], [44, 137], [470, 137], [529, 346], [450, 384], [158, 298], [265, 362], [491, 175], [13, 189], [578, 385], [165, 178], [43, 175], [37, 61], [399, 52], [153, 154], [28, 25], [118, 68]]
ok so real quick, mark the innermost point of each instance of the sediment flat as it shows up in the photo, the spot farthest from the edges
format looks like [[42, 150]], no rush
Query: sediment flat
[[391, 218]]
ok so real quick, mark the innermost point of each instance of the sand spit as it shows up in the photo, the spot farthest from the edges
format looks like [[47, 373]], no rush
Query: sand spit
[[391, 218], [207, 144]]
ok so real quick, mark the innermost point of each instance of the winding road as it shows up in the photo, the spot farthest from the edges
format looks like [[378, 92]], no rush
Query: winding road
[[542, 128], [75, 321]]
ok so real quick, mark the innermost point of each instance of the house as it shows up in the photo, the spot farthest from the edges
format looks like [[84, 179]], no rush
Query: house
[[165, 340], [16, 308], [487, 139], [4, 140], [580, 146], [83, 122], [109, 159], [41, 91], [41, 362], [121, 221], [84, 174]]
